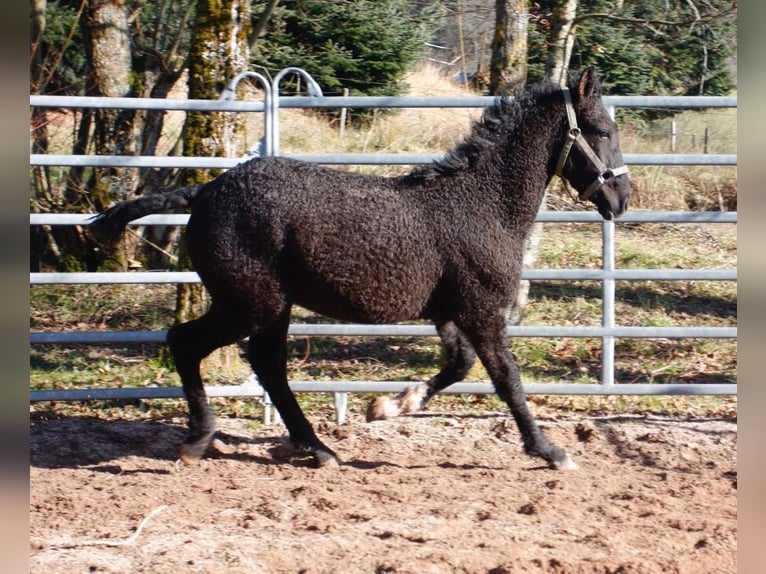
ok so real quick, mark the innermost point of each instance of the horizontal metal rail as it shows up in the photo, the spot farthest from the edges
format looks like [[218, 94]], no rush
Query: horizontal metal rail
[[542, 216], [363, 330], [333, 159], [155, 277], [689, 102], [246, 390], [356, 102]]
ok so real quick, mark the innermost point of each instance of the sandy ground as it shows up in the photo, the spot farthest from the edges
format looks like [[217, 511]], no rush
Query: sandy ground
[[426, 493]]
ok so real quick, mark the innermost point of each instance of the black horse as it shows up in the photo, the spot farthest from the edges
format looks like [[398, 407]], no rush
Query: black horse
[[443, 243]]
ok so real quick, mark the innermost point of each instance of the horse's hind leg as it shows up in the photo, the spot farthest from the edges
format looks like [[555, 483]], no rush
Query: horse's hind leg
[[267, 352], [460, 357], [491, 344], [190, 343]]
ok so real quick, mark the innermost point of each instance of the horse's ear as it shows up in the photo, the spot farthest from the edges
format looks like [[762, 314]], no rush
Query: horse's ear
[[589, 85]]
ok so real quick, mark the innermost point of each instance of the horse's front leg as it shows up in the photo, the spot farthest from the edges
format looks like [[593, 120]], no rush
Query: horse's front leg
[[460, 357], [491, 344]]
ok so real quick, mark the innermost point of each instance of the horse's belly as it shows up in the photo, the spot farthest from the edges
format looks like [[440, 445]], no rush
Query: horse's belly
[[385, 298]]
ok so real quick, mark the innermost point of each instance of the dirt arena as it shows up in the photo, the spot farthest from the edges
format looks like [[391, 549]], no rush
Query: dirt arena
[[431, 493]]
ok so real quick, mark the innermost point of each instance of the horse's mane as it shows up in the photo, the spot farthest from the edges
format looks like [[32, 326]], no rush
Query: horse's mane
[[502, 117]]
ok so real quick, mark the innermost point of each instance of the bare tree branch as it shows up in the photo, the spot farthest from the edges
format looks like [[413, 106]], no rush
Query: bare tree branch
[[259, 24], [656, 21]]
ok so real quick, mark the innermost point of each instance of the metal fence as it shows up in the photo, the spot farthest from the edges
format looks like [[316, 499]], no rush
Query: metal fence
[[608, 274]]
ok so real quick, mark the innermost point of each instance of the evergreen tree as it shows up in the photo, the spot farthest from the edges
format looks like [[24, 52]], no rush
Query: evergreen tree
[[365, 46], [654, 47]]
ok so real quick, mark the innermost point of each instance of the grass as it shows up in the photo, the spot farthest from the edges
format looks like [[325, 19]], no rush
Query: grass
[[573, 360]]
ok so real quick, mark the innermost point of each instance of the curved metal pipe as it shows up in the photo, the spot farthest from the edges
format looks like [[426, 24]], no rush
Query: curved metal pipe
[[229, 94], [313, 88]]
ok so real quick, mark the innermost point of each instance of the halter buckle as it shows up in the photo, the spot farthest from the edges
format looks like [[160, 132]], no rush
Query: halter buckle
[[600, 180]]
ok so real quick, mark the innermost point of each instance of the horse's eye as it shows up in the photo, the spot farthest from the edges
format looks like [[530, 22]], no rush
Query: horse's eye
[[603, 134]]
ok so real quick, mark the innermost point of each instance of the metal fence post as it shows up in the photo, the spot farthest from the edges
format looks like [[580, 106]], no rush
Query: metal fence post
[[341, 407], [608, 301]]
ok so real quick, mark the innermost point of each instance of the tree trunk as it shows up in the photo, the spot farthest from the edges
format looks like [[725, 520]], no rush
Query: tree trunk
[[39, 119], [519, 28], [508, 63], [560, 42], [561, 39], [41, 191], [498, 63], [114, 130], [111, 68], [107, 45], [219, 51]]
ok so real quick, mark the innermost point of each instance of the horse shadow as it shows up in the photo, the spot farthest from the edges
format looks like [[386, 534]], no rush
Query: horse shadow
[[77, 442]]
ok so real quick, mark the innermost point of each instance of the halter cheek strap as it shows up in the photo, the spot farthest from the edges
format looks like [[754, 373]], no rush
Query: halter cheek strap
[[575, 137]]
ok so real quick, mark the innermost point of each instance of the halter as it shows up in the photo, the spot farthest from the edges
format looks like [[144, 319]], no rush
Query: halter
[[574, 136]]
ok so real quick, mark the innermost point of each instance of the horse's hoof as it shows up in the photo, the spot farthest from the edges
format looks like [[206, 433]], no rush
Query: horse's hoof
[[380, 409], [564, 464], [327, 459], [192, 452], [189, 458]]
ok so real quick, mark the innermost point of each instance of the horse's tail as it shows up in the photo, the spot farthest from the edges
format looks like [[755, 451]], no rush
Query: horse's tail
[[112, 221]]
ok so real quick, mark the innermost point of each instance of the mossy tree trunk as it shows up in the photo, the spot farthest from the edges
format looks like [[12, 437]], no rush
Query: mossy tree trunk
[[560, 40], [219, 51], [508, 63]]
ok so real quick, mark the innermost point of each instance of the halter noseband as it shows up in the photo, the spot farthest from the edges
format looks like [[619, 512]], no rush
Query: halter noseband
[[574, 136]]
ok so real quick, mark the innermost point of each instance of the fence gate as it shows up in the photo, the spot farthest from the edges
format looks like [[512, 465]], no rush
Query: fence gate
[[608, 274]]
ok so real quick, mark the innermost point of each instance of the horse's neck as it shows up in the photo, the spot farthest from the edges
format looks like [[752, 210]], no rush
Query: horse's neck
[[526, 158]]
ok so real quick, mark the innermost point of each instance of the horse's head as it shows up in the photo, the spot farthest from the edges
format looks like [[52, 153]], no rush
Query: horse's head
[[591, 159]]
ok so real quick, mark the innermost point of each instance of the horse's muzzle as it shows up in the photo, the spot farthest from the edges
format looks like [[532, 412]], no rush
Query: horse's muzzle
[[613, 199]]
